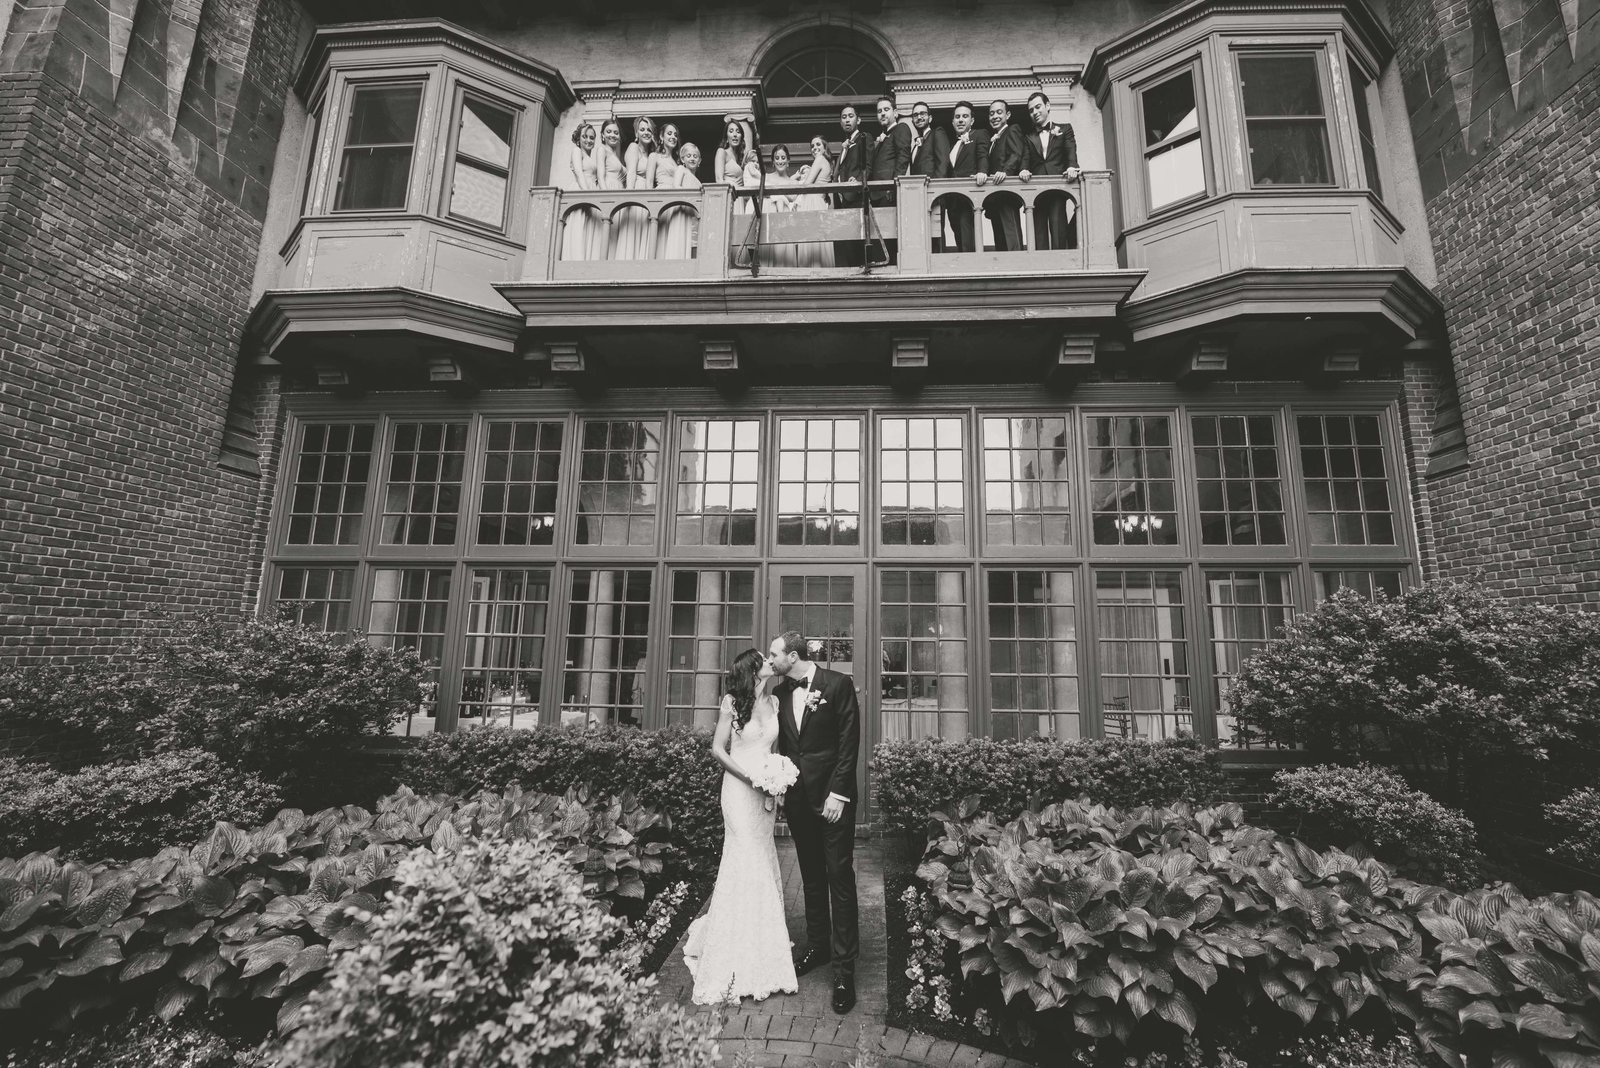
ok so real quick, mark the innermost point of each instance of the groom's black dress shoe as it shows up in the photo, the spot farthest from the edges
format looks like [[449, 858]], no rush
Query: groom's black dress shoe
[[844, 995], [809, 960]]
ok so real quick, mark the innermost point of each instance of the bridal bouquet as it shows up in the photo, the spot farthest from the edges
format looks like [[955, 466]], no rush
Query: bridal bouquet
[[774, 774]]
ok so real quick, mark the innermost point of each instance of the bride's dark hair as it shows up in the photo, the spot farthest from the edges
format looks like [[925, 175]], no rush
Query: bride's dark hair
[[741, 684]]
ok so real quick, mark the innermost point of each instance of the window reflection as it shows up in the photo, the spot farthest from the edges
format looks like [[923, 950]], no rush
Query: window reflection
[[923, 480], [718, 481], [422, 496], [409, 609], [1174, 167], [1144, 654], [521, 483], [1285, 128], [1346, 480], [617, 475], [318, 597], [1033, 654], [503, 664], [375, 171], [1027, 498], [330, 485], [712, 621], [1132, 491], [819, 482], [924, 642], [1240, 490], [1248, 609], [608, 638]]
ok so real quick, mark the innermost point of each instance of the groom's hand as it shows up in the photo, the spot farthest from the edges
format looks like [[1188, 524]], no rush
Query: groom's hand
[[833, 810]]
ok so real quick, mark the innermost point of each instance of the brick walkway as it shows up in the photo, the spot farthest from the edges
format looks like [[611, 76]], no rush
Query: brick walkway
[[802, 1029]]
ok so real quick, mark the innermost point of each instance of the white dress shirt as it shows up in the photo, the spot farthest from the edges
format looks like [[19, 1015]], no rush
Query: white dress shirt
[[798, 707]]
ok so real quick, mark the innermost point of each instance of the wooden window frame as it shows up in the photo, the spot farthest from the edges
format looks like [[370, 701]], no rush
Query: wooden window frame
[[1319, 50], [1192, 66]]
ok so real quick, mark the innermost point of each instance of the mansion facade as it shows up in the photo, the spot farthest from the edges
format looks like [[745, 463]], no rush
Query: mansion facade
[[302, 312]]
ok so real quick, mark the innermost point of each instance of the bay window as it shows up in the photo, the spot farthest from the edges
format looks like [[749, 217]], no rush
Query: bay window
[[1174, 163], [380, 137], [1285, 121]]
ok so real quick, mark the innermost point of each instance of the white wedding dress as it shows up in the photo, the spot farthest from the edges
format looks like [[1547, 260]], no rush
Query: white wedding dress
[[740, 948]]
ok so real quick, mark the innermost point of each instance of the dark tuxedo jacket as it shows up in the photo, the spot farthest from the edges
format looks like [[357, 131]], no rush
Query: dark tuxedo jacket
[[973, 158], [892, 155], [933, 155], [1005, 150], [851, 165], [827, 744], [1062, 153]]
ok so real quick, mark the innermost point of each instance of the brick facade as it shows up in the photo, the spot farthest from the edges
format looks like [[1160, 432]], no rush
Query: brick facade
[[134, 164]]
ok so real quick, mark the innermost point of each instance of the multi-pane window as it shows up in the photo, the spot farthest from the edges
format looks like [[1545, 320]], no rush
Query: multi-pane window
[[1361, 89], [483, 161], [1033, 654], [1346, 480], [822, 607], [1237, 477], [1132, 490], [521, 483], [719, 461], [925, 672], [819, 481], [711, 621], [409, 609], [422, 497], [618, 470], [317, 597], [502, 672], [1027, 492], [1367, 583], [923, 498], [1144, 654], [608, 639], [380, 136], [330, 484], [1246, 610], [1286, 128], [1174, 168]]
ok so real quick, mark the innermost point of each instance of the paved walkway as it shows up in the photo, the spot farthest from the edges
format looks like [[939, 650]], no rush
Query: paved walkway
[[802, 1029]]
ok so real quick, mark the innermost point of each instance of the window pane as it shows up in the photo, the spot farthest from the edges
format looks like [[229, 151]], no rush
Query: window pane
[[1247, 609], [315, 596], [502, 672], [423, 494], [485, 133], [712, 621], [718, 466], [1172, 141], [923, 482], [1241, 495], [518, 498], [1368, 584], [1340, 513], [409, 606], [1144, 654], [1361, 88], [608, 639], [1027, 495], [478, 194], [1278, 85], [617, 482], [1284, 123], [1132, 491], [925, 662], [376, 168], [1033, 654], [819, 482], [330, 488]]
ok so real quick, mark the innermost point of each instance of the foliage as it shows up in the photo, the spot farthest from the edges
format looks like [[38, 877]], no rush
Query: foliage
[[671, 770], [491, 955], [915, 779], [1579, 814], [1353, 1049], [123, 810], [265, 696], [134, 1041], [253, 914], [1339, 806], [1446, 675]]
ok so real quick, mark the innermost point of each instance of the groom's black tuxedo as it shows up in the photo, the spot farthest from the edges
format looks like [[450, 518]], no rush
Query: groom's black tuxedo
[[825, 747]]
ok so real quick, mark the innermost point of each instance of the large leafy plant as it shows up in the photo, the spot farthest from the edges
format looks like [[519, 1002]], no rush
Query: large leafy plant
[[253, 913]]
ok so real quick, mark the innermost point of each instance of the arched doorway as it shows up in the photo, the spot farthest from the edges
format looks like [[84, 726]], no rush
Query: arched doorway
[[810, 72]]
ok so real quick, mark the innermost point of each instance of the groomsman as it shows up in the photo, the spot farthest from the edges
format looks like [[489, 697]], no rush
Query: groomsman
[[1005, 158], [969, 158], [930, 146], [1050, 149], [849, 167], [891, 153]]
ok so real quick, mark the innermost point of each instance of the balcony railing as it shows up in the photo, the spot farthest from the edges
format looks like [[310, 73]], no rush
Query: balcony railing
[[713, 233]]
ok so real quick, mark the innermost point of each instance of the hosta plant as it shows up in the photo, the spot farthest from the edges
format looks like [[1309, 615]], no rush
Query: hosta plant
[[253, 913]]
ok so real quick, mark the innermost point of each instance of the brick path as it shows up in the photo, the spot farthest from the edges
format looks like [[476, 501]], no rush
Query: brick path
[[802, 1029]]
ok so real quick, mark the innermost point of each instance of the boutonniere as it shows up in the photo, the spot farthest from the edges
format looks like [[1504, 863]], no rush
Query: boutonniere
[[882, 136], [964, 139], [813, 699]]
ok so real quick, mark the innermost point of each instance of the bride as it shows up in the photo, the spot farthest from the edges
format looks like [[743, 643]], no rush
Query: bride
[[740, 947]]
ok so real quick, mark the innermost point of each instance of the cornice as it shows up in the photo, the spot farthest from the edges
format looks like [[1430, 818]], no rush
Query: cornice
[[283, 313], [986, 80], [1179, 19], [403, 33], [1391, 292]]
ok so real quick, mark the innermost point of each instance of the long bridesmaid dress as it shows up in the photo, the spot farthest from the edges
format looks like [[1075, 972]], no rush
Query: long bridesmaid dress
[[581, 226]]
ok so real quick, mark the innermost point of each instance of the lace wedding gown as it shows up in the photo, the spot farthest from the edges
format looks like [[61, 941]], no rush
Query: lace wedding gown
[[740, 947]]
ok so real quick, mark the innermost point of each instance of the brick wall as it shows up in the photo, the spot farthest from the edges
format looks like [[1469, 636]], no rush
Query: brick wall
[[133, 175], [1504, 98]]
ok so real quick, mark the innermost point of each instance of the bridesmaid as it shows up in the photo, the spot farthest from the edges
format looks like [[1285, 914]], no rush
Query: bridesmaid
[[580, 225], [630, 226], [818, 172], [787, 253], [662, 173], [681, 236], [730, 161]]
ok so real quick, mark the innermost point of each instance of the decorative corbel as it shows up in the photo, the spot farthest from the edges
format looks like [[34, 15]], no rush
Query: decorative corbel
[[908, 361], [1071, 361]]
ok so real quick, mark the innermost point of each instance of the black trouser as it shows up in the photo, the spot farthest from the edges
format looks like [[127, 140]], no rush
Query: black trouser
[[962, 222], [848, 253], [826, 852], [1050, 226], [1007, 228]]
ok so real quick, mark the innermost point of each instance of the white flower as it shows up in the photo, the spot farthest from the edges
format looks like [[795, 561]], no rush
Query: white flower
[[813, 699]]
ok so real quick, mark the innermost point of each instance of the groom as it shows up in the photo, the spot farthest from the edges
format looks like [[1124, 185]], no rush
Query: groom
[[819, 728]]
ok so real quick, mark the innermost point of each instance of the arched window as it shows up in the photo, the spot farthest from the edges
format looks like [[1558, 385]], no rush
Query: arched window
[[827, 72]]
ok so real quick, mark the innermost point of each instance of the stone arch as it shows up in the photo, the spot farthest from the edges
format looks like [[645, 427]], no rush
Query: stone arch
[[820, 31]]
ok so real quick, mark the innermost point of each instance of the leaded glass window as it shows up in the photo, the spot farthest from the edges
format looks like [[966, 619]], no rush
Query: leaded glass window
[[712, 620], [719, 463], [1239, 484], [608, 641], [1144, 654], [819, 481], [422, 497], [317, 597], [518, 498], [502, 676], [1247, 610], [1027, 493], [618, 470], [925, 667], [330, 486], [923, 480], [1033, 654], [1346, 480], [409, 610], [1132, 491]]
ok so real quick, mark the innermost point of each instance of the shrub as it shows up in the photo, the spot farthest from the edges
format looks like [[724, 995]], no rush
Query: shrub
[[671, 770], [1352, 1049], [1337, 806], [252, 914], [1579, 814], [486, 956], [1447, 676], [134, 1041], [918, 778], [123, 810]]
